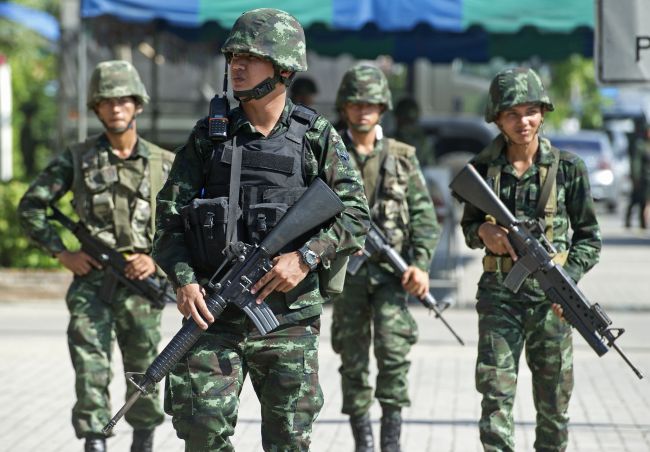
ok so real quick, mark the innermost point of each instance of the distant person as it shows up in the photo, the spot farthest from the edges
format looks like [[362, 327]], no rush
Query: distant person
[[518, 165], [303, 91], [640, 176], [114, 177], [409, 130]]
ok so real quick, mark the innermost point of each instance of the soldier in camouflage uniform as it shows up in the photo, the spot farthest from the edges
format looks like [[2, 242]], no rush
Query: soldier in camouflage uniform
[[409, 130], [114, 178], [264, 50], [374, 300], [516, 165]]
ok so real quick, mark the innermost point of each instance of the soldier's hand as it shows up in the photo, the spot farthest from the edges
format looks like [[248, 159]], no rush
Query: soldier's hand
[[190, 301], [287, 272], [496, 240], [140, 266], [77, 262], [415, 281], [557, 310]]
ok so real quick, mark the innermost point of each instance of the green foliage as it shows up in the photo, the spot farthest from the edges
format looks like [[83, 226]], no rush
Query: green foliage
[[574, 92], [33, 62], [16, 250]]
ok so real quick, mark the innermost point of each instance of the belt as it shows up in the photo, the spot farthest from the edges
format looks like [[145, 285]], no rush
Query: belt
[[504, 264]]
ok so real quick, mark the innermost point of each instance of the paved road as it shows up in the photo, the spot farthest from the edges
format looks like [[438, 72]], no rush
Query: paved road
[[610, 409]]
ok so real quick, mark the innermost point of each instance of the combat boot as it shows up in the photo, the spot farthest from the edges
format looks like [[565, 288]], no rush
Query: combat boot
[[95, 444], [362, 432], [391, 426], [142, 441]]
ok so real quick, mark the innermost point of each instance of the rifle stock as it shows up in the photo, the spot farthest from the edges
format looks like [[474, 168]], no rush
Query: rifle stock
[[250, 264], [534, 260]]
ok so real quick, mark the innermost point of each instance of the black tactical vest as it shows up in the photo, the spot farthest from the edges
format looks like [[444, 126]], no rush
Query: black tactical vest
[[272, 178]]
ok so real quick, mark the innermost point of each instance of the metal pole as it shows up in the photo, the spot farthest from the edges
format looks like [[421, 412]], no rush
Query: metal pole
[[155, 104], [82, 76], [6, 144]]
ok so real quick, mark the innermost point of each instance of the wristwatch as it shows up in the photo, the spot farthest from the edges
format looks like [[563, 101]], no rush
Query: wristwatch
[[309, 257]]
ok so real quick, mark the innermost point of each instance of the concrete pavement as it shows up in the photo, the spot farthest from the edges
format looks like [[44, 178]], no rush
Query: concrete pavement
[[610, 409]]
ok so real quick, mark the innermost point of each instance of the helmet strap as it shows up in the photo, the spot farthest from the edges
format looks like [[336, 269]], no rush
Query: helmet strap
[[260, 90], [120, 131]]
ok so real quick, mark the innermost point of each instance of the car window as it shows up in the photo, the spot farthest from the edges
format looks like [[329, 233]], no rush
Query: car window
[[590, 151]]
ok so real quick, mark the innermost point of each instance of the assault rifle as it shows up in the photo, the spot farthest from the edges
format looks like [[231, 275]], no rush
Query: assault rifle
[[534, 260], [315, 207], [378, 245], [114, 263]]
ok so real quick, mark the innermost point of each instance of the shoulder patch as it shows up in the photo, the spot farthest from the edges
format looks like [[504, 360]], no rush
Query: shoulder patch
[[342, 153]]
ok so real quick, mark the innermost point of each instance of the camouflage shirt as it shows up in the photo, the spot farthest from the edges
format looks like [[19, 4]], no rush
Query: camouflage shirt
[[58, 178], [520, 194], [420, 225], [328, 160]]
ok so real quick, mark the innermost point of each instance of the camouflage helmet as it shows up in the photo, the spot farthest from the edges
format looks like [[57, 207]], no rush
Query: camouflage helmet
[[364, 83], [116, 78], [512, 87], [269, 33]]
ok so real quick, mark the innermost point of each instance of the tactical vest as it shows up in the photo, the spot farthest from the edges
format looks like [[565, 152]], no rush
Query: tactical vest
[[115, 201], [272, 178], [504, 263], [390, 210]]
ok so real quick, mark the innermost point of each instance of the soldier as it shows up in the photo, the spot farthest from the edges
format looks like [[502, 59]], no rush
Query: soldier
[[283, 148], [640, 176], [303, 91], [538, 182], [409, 130], [114, 177], [375, 299]]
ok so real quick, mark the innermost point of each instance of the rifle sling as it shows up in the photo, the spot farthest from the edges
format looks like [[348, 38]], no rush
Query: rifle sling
[[233, 195]]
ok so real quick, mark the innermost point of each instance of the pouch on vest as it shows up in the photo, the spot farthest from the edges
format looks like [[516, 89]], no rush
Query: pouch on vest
[[263, 217], [204, 222], [332, 279]]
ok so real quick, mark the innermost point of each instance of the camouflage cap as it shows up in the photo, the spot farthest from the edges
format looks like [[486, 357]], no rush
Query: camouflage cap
[[512, 87], [364, 83], [269, 33], [116, 78]]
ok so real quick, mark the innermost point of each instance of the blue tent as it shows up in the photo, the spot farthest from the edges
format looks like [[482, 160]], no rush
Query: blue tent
[[440, 30], [41, 22]]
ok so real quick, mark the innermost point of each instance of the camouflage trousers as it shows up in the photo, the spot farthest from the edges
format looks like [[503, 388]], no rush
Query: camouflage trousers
[[367, 312], [505, 329], [92, 330], [202, 390]]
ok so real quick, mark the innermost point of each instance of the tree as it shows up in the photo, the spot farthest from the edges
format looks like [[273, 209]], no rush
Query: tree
[[574, 92], [34, 74]]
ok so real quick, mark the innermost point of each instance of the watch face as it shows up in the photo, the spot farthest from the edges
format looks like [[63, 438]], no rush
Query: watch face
[[310, 258]]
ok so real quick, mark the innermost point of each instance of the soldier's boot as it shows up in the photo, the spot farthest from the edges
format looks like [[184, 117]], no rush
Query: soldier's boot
[[391, 426], [142, 441], [362, 432], [95, 444]]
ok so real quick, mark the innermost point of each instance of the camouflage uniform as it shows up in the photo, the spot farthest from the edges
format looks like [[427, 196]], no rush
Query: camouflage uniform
[[374, 300], [510, 322], [113, 198], [202, 391]]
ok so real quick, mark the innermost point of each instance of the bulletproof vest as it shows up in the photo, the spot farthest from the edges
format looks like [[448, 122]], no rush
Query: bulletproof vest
[[114, 197], [272, 175], [390, 210]]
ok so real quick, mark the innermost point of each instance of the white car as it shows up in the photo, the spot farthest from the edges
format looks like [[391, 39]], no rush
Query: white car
[[594, 147]]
